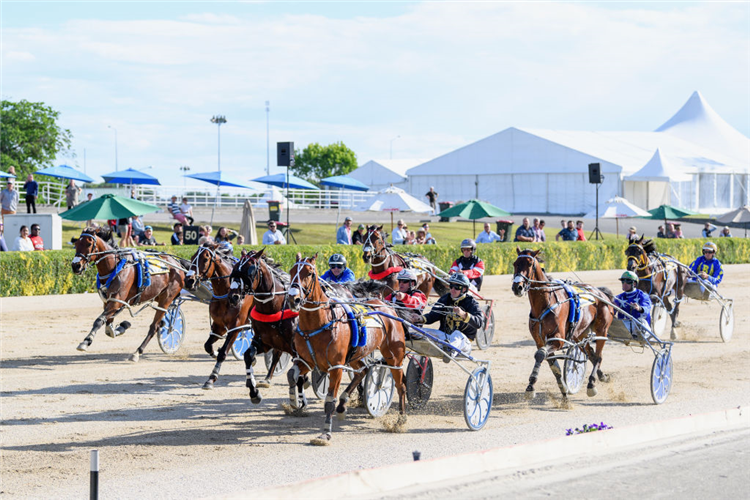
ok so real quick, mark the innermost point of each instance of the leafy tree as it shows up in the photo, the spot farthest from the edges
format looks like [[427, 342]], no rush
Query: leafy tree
[[316, 162], [30, 138]]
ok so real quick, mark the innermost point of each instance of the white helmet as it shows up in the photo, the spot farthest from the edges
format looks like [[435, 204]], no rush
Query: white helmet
[[407, 275], [468, 243]]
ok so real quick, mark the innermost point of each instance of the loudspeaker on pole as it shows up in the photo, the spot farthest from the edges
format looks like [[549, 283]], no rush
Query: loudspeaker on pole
[[595, 173], [284, 154]]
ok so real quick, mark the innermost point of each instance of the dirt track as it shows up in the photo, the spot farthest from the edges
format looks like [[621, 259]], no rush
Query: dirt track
[[161, 436]]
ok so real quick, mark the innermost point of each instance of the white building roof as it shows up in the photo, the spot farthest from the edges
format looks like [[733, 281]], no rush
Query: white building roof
[[659, 169]]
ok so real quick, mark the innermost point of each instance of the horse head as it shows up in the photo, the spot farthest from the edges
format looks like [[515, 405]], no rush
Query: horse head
[[303, 278], [374, 243], [244, 275], [202, 265], [91, 243], [637, 257], [526, 269]]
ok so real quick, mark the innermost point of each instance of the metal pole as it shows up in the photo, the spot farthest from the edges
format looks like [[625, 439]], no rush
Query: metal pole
[[219, 127], [94, 476], [268, 143]]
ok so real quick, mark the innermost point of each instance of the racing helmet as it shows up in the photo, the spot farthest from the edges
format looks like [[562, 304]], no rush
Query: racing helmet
[[629, 275], [407, 275], [710, 245], [459, 279], [337, 258], [468, 243]]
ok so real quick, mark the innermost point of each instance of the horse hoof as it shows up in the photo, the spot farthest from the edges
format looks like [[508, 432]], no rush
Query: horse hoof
[[306, 384], [529, 395], [256, 400], [214, 354], [208, 385], [673, 335], [322, 440], [135, 357], [401, 420], [83, 346], [341, 415], [263, 384], [109, 331], [591, 392], [604, 378]]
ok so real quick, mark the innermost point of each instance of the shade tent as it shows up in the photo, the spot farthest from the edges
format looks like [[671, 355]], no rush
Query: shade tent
[[381, 174], [109, 206], [659, 169], [473, 210], [617, 208], [64, 172], [391, 200], [3, 175], [218, 179], [738, 216], [280, 180], [651, 186], [344, 182], [130, 176]]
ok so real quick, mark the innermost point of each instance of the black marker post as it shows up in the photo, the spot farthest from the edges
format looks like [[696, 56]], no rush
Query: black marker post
[[94, 478]]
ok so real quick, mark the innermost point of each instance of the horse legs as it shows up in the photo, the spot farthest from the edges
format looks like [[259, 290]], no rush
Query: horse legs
[[596, 360], [266, 382], [250, 383], [164, 302], [344, 399], [673, 317], [330, 406], [539, 356], [557, 372], [220, 358], [110, 310], [214, 336], [297, 378]]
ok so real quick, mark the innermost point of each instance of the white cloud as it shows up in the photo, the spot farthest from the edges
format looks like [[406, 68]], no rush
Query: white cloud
[[12, 56]]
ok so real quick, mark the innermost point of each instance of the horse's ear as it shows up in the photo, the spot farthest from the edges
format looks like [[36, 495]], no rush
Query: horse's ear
[[259, 253], [243, 253], [314, 257], [518, 250], [298, 257], [536, 252], [380, 227]]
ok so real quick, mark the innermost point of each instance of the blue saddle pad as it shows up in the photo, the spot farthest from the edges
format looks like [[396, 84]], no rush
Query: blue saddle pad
[[574, 312], [359, 332]]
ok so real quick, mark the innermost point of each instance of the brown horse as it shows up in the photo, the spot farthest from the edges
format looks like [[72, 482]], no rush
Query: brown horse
[[658, 277], [226, 318], [324, 341], [386, 264], [549, 318], [118, 275], [273, 324]]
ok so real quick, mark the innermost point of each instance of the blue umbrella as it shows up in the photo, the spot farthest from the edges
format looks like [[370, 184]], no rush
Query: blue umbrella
[[3, 175], [279, 180], [130, 176], [65, 172], [218, 179], [344, 182]]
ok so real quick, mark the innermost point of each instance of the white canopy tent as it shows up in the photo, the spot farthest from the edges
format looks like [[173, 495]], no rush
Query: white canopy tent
[[650, 187], [381, 174]]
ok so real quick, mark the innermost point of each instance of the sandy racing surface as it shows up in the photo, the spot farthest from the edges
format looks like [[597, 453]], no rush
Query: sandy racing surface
[[161, 436]]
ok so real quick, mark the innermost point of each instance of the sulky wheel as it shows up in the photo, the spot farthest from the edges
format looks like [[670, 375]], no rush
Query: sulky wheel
[[486, 334], [281, 365], [320, 383], [661, 376], [478, 398], [726, 321], [659, 318], [574, 369], [172, 331], [242, 343], [419, 381], [379, 388]]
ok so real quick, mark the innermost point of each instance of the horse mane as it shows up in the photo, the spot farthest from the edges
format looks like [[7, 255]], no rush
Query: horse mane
[[104, 233], [649, 246], [278, 273], [363, 288]]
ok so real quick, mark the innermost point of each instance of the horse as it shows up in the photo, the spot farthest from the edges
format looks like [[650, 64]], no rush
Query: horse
[[386, 264], [118, 275], [226, 318], [658, 277], [324, 340], [550, 313], [273, 324]]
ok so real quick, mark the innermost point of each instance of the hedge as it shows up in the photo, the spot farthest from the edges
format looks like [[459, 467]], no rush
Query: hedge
[[49, 273]]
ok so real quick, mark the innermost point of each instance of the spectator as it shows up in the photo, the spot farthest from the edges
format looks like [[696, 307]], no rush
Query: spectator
[[137, 228], [427, 235], [23, 242], [177, 237], [125, 228], [71, 194], [132, 193], [539, 235], [174, 209], [400, 234], [678, 231], [338, 272], [579, 230], [12, 170], [240, 240], [35, 238], [525, 232], [661, 233], [568, 234], [725, 233], [225, 234], [205, 232], [9, 199], [563, 224], [358, 238], [432, 197], [89, 197], [272, 236], [411, 237], [3, 245], [488, 236], [344, 233], [148, 238], [32, 190], [187, 211], [632, 235], [708, 228], [670, 230], [541, 226], [421, 238]]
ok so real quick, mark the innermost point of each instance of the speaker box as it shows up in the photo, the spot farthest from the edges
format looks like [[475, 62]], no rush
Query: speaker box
[[595, 173], [284, 154]]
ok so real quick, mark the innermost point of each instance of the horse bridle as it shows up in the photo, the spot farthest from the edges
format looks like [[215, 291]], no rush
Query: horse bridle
[[86, 258], [370, 246], [641, 258], [296, 286], [196, 262]]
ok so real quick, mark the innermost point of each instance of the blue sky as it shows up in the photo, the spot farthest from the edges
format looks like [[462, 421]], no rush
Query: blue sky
[[439, 75]]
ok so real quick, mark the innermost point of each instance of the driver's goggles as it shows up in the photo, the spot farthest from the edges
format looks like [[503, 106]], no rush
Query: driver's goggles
[[336, 266], [457, 287], [629, 282], [706, 252]]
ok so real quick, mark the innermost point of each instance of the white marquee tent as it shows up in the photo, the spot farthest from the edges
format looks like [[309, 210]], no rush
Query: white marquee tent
[[380, 174]]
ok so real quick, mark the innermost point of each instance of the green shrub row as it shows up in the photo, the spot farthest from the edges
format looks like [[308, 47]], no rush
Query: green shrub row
[[49, 273]]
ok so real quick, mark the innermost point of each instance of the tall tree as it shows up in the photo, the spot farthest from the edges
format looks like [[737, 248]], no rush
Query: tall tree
[[30, 138], [316, 162]]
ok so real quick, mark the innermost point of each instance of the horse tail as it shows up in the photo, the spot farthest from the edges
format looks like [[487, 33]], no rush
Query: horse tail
[[439, 286], [606, 291]]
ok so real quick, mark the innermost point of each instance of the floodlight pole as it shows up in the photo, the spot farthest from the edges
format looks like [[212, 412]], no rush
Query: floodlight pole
[[219, 120]]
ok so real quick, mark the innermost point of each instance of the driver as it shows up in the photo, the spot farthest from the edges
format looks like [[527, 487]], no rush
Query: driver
[[633, 301], [707, 266], [459, 315], [338, 272], [469, 264], [407, 295]]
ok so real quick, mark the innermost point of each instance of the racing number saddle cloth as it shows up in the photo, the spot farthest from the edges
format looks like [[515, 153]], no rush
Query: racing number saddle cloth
[[578, 297]]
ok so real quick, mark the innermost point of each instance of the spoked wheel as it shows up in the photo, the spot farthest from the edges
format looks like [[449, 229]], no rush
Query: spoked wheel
[[659, 318], [172, 332], [320, 383], [419, 381], [661, 376], [726, 321], [486, 334], [574, 369], [242, 343], [478, 398], [379, 388], [281, 365]]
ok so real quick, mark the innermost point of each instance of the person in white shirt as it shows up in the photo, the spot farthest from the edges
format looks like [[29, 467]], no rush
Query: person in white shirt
[[23, 242], [272, 236], [488, 236], [187, 211], [399, 234]]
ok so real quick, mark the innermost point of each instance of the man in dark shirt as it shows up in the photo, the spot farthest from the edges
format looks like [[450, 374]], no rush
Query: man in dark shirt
[[148, 237], [358, 237], [525, 232], [432, 197], [177, 238], [32, 189], [569, 233]]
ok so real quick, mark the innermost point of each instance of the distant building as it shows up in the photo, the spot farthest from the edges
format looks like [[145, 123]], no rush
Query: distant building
[[380, 174]]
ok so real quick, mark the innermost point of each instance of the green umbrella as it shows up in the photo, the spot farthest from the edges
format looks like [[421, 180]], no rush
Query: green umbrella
[[109, 206], [665, 212], [473, 210]]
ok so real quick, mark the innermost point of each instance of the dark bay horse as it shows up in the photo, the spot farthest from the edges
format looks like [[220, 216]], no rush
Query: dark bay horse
[[226, 318], [273, 323], [117, 272], [386, 264], [658, 277], [324, 341], [549, 317]]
